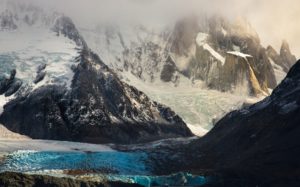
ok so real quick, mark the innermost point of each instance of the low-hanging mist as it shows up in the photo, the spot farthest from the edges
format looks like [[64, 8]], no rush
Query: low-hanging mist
[[274, 20]]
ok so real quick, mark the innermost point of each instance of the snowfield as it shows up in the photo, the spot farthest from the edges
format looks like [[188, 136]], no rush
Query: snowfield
[[11, 142], [198, 106]]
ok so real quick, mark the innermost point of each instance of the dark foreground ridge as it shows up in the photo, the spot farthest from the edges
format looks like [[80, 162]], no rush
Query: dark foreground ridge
[[254, 146], [9, 179]]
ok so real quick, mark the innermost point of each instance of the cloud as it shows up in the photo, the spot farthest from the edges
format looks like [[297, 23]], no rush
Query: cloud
[[274, 20]]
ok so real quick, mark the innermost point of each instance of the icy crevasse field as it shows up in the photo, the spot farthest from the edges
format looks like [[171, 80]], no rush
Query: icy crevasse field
[[28, 48], [199, 107], [81, 160]]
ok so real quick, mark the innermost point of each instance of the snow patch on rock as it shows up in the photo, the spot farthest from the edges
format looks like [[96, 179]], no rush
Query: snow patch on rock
[[239, 54], [201, 41], [214, 53]]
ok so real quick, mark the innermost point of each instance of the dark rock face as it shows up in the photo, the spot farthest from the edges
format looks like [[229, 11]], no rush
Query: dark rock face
[[40, 74], [256, 145], [98, 107], [9, 86], [9, 179], [169, 70]]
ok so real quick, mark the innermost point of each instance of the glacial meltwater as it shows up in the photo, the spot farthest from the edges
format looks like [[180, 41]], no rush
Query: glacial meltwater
[[128, 167]]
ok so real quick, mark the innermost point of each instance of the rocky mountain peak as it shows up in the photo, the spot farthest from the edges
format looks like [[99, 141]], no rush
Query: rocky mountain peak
[[80, 98], [285, 47], [286, 54], [285, 59]]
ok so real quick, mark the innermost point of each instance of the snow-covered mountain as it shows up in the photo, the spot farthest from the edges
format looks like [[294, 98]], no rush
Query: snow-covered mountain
[[193, 48], [53, 86], [202, 67]]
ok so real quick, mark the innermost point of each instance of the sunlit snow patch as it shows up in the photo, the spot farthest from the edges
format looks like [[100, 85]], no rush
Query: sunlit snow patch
[[199, 107], [239, 54], [202, 41]]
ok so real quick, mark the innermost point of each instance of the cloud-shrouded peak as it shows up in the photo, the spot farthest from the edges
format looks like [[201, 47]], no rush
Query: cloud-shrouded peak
[[274, 21]]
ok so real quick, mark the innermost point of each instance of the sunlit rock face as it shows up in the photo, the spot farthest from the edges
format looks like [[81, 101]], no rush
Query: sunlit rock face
[[214, 40], [237, 75]]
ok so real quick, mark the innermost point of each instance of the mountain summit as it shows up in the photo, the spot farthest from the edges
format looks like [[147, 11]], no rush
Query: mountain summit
[[54, 87]]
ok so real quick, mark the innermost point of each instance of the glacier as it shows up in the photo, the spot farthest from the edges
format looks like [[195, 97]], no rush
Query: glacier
[[113, 166]]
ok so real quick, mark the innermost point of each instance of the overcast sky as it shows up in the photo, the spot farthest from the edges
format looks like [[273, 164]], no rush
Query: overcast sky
[[274, 20]]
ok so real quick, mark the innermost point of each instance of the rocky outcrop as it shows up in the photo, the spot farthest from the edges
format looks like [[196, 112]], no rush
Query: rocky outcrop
[[256, 145], [169, 71], [11, 85], [9, 179]]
